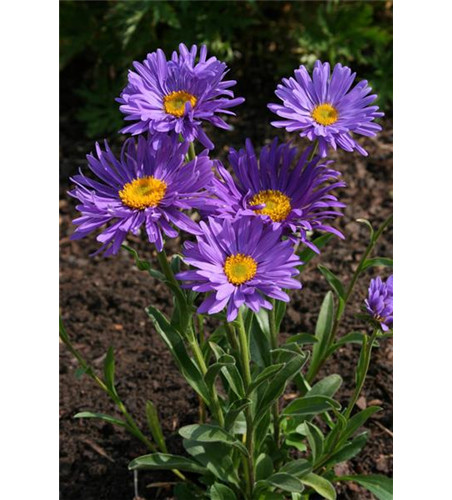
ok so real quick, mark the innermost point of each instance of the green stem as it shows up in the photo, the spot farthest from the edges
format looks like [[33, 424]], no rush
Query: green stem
[[191, 152], [339, 313], [216, 407], [361, 377], [166, 268], [314, 151], [274, 345], [245, 356]]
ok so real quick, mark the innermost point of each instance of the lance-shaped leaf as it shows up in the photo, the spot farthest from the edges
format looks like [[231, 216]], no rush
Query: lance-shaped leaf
[[349, 450], [323, 332], [276, 387], [109, 370], [220, 491], [380, 486], [264, 466], [263, 376], [377, 262], [357, 421], [234, 411], [298, 468], [322, 486], [282, 481], [350, 338], [333, 281], [207, 433], [154, 425], [101, 416], [229, 370], [310, 406], [259, 344], [216, 458], [303, 338], [176, 346], [164, 461], [326, 387], [316, 441]]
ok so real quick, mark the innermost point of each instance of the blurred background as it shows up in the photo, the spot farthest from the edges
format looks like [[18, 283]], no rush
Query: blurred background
[[261, 41]]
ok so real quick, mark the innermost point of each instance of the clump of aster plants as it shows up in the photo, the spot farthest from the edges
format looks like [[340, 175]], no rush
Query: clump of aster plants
[[250, 227]]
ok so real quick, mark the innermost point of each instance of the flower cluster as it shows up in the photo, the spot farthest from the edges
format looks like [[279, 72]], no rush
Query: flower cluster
[[259, 212]]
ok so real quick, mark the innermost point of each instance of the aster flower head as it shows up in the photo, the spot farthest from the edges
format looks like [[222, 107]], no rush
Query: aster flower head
[[176, 96], [379, 303], [240, 262], [282, 187], [326, 108], [143, 188]]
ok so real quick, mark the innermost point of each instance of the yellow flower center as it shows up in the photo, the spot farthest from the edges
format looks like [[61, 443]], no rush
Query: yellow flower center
[[240, 268], [277, 204], [325, 114], [174, 103], [143, 193]]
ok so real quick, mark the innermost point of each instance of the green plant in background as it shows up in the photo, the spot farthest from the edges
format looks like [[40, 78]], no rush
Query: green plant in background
[[99, 39]]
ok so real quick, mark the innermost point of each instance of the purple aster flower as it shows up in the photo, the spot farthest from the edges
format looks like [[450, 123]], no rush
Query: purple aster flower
[[176, 96], [379, 302], [143, 188], [282, 187], [325, 109], [240, 261]]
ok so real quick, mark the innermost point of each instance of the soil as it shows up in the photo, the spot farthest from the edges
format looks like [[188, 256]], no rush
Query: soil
[[102, 304]]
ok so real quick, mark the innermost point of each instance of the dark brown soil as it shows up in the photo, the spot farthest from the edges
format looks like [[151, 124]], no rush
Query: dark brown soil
[[102, 304]]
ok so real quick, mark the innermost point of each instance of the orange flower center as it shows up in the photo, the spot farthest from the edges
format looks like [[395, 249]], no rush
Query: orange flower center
[[143, 193], [325, 114], [240, 268], [174, 103]]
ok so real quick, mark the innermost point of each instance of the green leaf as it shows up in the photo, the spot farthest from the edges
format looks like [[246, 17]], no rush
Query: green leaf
[[349, 451], [283, 481], [323, 331], [303, 338], [216, 457], [164, 461], [380, 486], [377, 262], [234, 411], [207, 433], [221, 492], [101, 416], [259, 344], [316, 441], [333, 281], [369, 225], [214, 369], [326, 387], [176, 346], [263, 320], [143, 265], [80, 371], [154, 425], [278, 384], [350, 338], [264, 466], [298, 468], [109, 369], [263, 376], [310, 406], [358, 420], [323, 487], [280, 311]]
